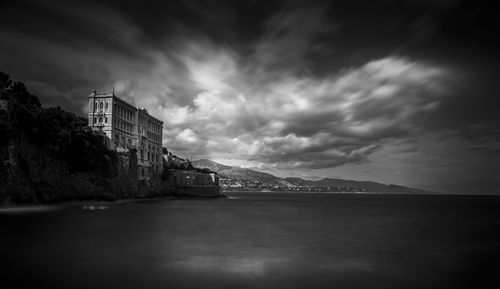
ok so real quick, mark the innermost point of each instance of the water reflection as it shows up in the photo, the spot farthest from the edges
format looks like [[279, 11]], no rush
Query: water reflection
[[256, 265], [27, 209]]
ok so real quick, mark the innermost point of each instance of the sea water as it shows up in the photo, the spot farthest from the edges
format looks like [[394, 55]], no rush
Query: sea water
[[257, 240]]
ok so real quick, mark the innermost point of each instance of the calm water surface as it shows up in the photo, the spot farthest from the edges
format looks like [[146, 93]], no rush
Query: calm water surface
[[257, 240]]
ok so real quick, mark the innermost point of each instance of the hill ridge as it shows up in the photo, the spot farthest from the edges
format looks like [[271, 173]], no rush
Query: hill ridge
[[239, 177]]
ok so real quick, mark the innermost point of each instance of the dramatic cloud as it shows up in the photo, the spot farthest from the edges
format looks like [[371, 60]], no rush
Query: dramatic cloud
[[306, 121], [349, 88]]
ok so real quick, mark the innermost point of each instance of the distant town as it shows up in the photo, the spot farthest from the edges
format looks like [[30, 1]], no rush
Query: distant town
[[229, 185], [233, 178]]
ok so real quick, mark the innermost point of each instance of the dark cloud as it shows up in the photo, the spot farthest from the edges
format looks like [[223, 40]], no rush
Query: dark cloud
[[279, 84]]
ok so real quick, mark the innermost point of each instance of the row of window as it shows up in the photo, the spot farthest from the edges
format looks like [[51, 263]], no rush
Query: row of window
[[123, 141], [126, 114], [101, 120], [155, 127], [123, 112], [123, 125], [150, 124], [152, 157], [154, 137], [154, 148], [153, 153], [101, 105]]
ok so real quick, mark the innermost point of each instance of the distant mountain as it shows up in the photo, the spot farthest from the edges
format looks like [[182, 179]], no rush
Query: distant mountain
[[234, 172], [368, 185], [211, 165], [249, 175]]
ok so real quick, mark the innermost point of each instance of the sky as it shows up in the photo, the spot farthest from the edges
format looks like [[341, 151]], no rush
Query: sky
[[394, 91]]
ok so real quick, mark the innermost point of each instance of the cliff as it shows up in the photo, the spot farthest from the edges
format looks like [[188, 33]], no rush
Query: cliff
[[50, 155]]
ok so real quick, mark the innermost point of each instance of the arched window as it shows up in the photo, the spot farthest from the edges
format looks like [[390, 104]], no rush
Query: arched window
[[106, 119], [100, 119], [100, 105], [106, 106]]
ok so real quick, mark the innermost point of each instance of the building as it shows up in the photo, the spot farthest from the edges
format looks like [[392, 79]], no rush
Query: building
[[193, 183], [128, 127]]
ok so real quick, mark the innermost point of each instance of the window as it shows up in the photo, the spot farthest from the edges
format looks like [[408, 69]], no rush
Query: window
[[100, 105], [106, 106], [100, 119], [106, 119], [95, 120]]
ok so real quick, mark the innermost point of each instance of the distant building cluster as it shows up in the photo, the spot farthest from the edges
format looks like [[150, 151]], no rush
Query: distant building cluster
[[127, 126], [194, 182], [173, 161], [183, 178]]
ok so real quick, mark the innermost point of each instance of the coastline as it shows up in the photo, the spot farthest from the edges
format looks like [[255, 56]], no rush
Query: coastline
[[94, 204]]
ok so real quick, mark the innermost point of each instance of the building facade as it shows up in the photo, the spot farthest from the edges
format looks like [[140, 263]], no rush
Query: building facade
[[128, 127], [193, 183]]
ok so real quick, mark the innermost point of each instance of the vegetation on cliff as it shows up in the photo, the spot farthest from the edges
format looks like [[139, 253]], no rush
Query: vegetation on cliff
[[48, 155]]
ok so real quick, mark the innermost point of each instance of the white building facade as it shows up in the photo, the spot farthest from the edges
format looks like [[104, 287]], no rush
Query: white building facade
[[128, 127]]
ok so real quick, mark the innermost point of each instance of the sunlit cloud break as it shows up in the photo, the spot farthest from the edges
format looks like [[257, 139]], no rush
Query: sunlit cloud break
[[301, 121]]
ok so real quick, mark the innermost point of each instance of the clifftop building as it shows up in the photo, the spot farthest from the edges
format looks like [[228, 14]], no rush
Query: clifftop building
[[128, 127]]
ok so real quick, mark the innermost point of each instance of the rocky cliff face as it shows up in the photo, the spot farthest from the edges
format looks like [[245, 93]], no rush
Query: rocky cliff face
[[49, 155]]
